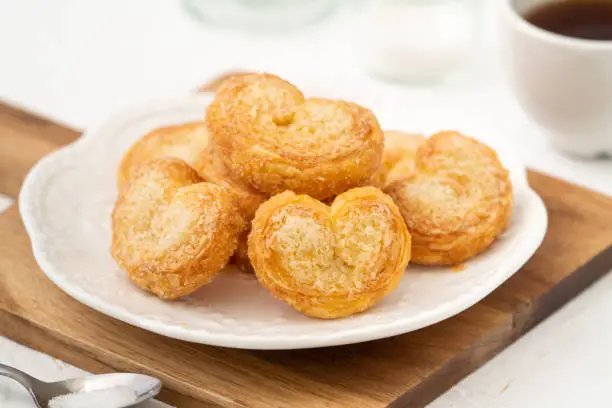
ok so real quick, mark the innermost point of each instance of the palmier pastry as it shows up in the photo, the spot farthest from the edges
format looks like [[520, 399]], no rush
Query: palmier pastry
[[172, 232], [330, 261], [277, 140], [458, 201], [182, 141], [398, 158]]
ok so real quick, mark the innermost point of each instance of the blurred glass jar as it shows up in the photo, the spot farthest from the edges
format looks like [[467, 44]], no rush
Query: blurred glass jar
[[418, 41], [261, 15]]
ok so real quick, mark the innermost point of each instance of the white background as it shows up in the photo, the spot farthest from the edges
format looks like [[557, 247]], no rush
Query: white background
[[77, 61]]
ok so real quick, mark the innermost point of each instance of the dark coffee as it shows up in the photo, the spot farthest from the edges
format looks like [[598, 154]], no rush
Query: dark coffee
[[589, 19]]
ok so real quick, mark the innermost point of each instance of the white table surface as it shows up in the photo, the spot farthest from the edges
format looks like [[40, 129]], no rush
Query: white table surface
[[76, 61]]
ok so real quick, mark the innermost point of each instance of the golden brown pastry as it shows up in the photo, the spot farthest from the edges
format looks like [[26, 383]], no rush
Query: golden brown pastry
[[398, 158], [183, 141], [330, 262], [277, 140], [172, 232], [211, 166], [457, 203]]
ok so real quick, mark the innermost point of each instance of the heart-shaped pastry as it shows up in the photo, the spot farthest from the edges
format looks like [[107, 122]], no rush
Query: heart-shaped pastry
[[277, 140], [398, 158], [172, 232], [458, 201], [330, 261]]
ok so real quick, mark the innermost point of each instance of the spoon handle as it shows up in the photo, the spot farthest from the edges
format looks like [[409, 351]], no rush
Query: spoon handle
[[22, 378], [16, 375]]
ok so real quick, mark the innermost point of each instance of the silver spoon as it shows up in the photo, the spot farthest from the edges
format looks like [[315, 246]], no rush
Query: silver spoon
[[144, 387]]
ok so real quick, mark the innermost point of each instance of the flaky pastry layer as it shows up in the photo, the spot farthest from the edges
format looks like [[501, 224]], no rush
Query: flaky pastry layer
[[240, 258], [213, 169]]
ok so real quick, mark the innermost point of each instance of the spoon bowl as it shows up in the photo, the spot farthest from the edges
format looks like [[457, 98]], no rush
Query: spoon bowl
[[122, 390]]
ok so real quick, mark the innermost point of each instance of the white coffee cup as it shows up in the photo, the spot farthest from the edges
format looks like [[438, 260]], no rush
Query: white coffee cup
[[564, 83]]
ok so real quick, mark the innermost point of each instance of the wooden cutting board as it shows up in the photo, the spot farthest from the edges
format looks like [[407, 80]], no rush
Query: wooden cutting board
[[404, 371]]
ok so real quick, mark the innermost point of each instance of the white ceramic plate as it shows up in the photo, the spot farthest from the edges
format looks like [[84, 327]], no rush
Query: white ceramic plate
[[66, 204]]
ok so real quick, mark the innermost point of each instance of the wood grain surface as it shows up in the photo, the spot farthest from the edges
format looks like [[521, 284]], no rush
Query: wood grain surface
[[403, 371]]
